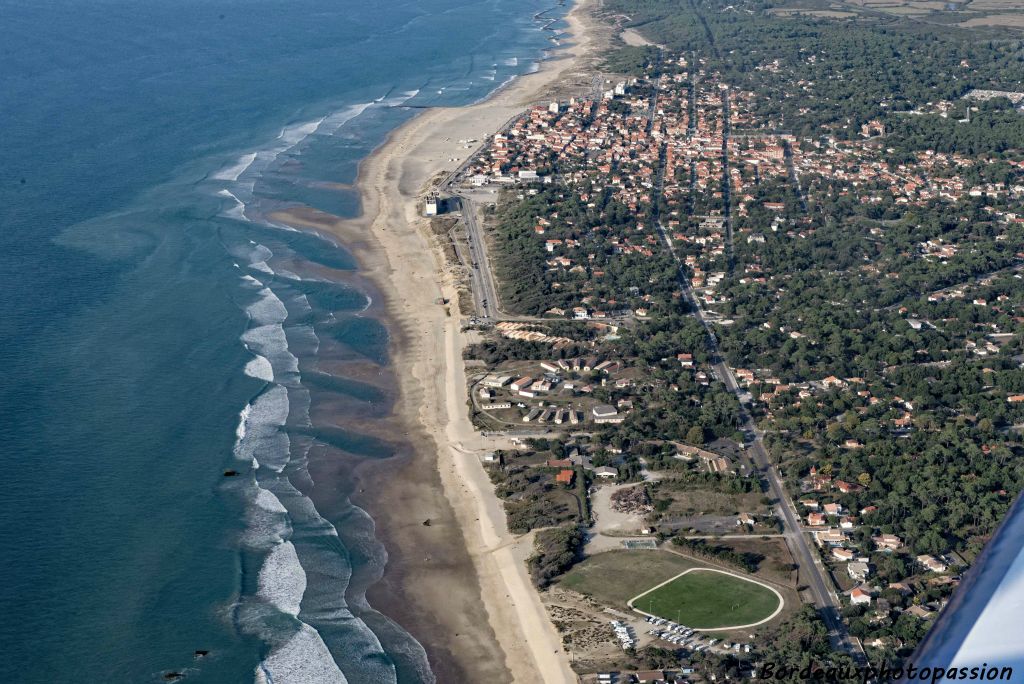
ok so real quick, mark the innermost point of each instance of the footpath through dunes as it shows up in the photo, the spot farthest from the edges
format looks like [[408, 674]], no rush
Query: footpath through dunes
[[392, 245], [711, 600]]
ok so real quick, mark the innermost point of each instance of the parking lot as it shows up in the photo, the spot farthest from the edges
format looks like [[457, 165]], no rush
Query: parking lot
[[681, 636]]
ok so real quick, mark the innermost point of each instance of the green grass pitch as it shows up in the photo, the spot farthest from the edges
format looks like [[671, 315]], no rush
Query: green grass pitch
[[707, 600]]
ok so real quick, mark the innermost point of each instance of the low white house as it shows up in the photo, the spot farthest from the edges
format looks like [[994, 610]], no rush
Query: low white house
[[604, 413]]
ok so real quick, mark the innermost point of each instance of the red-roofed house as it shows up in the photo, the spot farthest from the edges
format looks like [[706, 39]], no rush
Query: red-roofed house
[[565, 477], [846, 487]]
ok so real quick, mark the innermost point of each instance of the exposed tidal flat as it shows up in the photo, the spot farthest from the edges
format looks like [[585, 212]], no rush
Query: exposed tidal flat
[[206, 431]]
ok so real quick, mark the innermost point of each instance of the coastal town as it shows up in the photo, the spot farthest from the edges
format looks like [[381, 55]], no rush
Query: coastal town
[[716, 340], [549, 342]]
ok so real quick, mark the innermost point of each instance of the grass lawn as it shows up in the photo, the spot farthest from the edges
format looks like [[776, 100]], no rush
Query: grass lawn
[[614, 577], [706, 600]]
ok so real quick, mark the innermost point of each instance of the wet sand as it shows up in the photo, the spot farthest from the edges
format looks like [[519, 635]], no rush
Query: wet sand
[[459, 584]]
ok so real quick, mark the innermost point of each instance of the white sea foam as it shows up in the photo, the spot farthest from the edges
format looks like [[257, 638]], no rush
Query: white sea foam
[[262, 267], [266, 500], [268, 522], [259, 253], [401, 98], [267, 337], [296, 133], [270, 341], [338, 119], [237, 169], [303, 659], [260, 438], [282, 581], [237, 211], [279, 226], [259, 367], [511, 61], [243, 416], [267, 309], [292, 136]]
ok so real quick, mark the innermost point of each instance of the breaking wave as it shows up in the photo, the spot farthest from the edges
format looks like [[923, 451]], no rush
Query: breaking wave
[[232, 172]]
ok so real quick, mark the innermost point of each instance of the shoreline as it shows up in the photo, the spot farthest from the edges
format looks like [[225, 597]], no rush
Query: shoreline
[[424, 587]]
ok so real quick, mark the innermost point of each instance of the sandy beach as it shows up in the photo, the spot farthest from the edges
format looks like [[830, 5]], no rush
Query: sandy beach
[[459, 583]]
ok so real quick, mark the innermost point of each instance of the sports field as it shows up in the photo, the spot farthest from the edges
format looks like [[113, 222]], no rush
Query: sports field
[[706, 599]]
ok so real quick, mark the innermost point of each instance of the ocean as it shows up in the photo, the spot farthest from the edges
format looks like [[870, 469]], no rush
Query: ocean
[[174, 362]]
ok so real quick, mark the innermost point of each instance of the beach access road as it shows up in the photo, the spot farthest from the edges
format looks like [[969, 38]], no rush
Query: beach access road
[[485, 294]]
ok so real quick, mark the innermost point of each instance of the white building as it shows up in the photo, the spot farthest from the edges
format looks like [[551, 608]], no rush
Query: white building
[[431, 206]]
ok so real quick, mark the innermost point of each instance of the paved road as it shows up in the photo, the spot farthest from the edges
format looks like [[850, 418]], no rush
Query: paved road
[[794, 177], [811, 570], [727, 183], [730, 536], [485, 294]]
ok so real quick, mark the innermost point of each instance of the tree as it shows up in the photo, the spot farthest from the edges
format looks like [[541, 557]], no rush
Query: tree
[[695, 435]]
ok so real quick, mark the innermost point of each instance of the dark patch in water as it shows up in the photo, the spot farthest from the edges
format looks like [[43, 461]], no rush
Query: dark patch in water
[[328, 296], [365, 336], [319, 250], [352, 388], [352, 442]]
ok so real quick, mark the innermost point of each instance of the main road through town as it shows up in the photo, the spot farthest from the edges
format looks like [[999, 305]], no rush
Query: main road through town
[[812, 573]]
